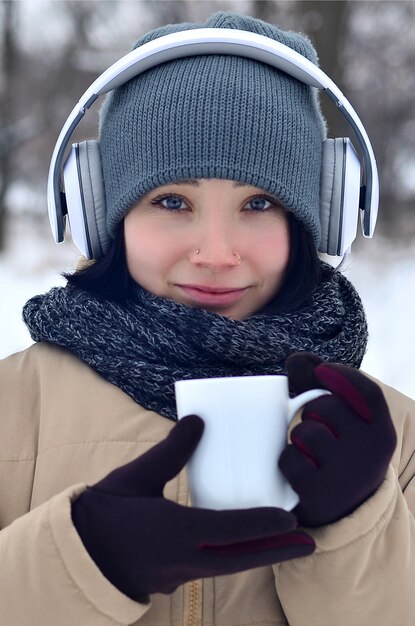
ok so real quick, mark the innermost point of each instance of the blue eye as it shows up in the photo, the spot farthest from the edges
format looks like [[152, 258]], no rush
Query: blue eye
[[171, 203], [259, 204]]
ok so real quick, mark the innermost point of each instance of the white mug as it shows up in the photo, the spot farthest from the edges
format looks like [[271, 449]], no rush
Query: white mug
[[235, 464]]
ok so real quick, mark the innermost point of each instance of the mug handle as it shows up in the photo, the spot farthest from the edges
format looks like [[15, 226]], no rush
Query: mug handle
[[294, 404]]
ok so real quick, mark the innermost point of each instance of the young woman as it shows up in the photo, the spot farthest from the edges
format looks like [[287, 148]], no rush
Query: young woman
[[212, 168]]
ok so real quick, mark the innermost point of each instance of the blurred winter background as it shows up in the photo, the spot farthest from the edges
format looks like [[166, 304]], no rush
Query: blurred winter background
[[50, 51]]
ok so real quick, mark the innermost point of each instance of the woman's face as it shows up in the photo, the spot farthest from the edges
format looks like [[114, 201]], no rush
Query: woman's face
[[225, 221]]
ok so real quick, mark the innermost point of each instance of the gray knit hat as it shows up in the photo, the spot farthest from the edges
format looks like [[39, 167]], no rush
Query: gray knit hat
[[215, 116]]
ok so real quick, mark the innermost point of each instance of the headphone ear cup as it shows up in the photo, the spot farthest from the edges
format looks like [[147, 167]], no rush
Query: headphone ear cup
[[339, 196], [85, 197], [95, 212]]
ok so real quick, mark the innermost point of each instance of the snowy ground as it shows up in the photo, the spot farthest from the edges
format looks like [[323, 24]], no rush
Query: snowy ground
[[384, 275]]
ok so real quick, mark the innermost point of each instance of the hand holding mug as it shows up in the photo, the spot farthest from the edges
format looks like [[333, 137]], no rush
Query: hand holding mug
[[144, 543], [340, 452]]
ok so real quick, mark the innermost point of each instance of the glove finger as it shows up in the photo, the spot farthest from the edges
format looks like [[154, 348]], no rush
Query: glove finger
[[315, 441], [300, 370], [241, 525], [336, 415], [203, 563], [359, 392], [288, 546], [355, 435], [295, 465], [296, 541], [148, 473]]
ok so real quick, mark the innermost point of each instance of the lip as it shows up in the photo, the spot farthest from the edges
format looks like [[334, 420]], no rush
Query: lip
[[213, 296]]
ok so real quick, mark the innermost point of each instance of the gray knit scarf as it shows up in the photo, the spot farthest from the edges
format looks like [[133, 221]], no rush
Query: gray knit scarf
[[144, 345]]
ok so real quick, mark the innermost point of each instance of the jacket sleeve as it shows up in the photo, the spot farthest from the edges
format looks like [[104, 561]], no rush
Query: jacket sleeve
[[363, 570], [46, 575], [48, 578]]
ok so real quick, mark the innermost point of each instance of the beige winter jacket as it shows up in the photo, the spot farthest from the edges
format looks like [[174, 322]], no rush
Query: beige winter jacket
[[62, 426]]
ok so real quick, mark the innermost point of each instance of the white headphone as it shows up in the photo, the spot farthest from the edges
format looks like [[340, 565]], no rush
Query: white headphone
[[77, 189]]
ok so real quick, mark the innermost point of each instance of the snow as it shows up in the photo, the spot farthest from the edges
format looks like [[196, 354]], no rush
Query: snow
[[384, 276], [32, 263], [383, 272]]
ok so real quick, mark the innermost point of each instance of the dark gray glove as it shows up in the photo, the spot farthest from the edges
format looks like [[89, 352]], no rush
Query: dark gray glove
[[341, 450], [144, 543]]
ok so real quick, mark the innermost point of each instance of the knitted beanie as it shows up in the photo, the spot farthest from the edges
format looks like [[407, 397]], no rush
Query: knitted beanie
[[215, 116]]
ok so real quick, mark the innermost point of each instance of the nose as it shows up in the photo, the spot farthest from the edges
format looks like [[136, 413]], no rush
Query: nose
[[215, 247]]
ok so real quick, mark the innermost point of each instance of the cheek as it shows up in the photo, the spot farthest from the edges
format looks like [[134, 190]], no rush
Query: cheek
[[149, 252], [140, 250], [274, 251]]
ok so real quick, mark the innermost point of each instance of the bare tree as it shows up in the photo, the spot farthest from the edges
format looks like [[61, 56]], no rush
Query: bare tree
[[8, 58], [326, 23]]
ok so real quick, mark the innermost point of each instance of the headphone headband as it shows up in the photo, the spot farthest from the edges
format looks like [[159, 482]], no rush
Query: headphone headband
[[205, 41]]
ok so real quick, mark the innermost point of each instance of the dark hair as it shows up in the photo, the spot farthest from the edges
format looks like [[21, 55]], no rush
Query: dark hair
[[110, 279], [303, 274]]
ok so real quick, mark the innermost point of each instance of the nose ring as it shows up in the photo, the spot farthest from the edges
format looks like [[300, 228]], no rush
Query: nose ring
[[238, 258]]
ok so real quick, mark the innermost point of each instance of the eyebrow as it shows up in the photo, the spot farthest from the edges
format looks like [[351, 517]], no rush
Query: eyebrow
[[196, 183]]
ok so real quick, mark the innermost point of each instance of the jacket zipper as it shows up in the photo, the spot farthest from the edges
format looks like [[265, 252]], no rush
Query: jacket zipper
[[193, 603]]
